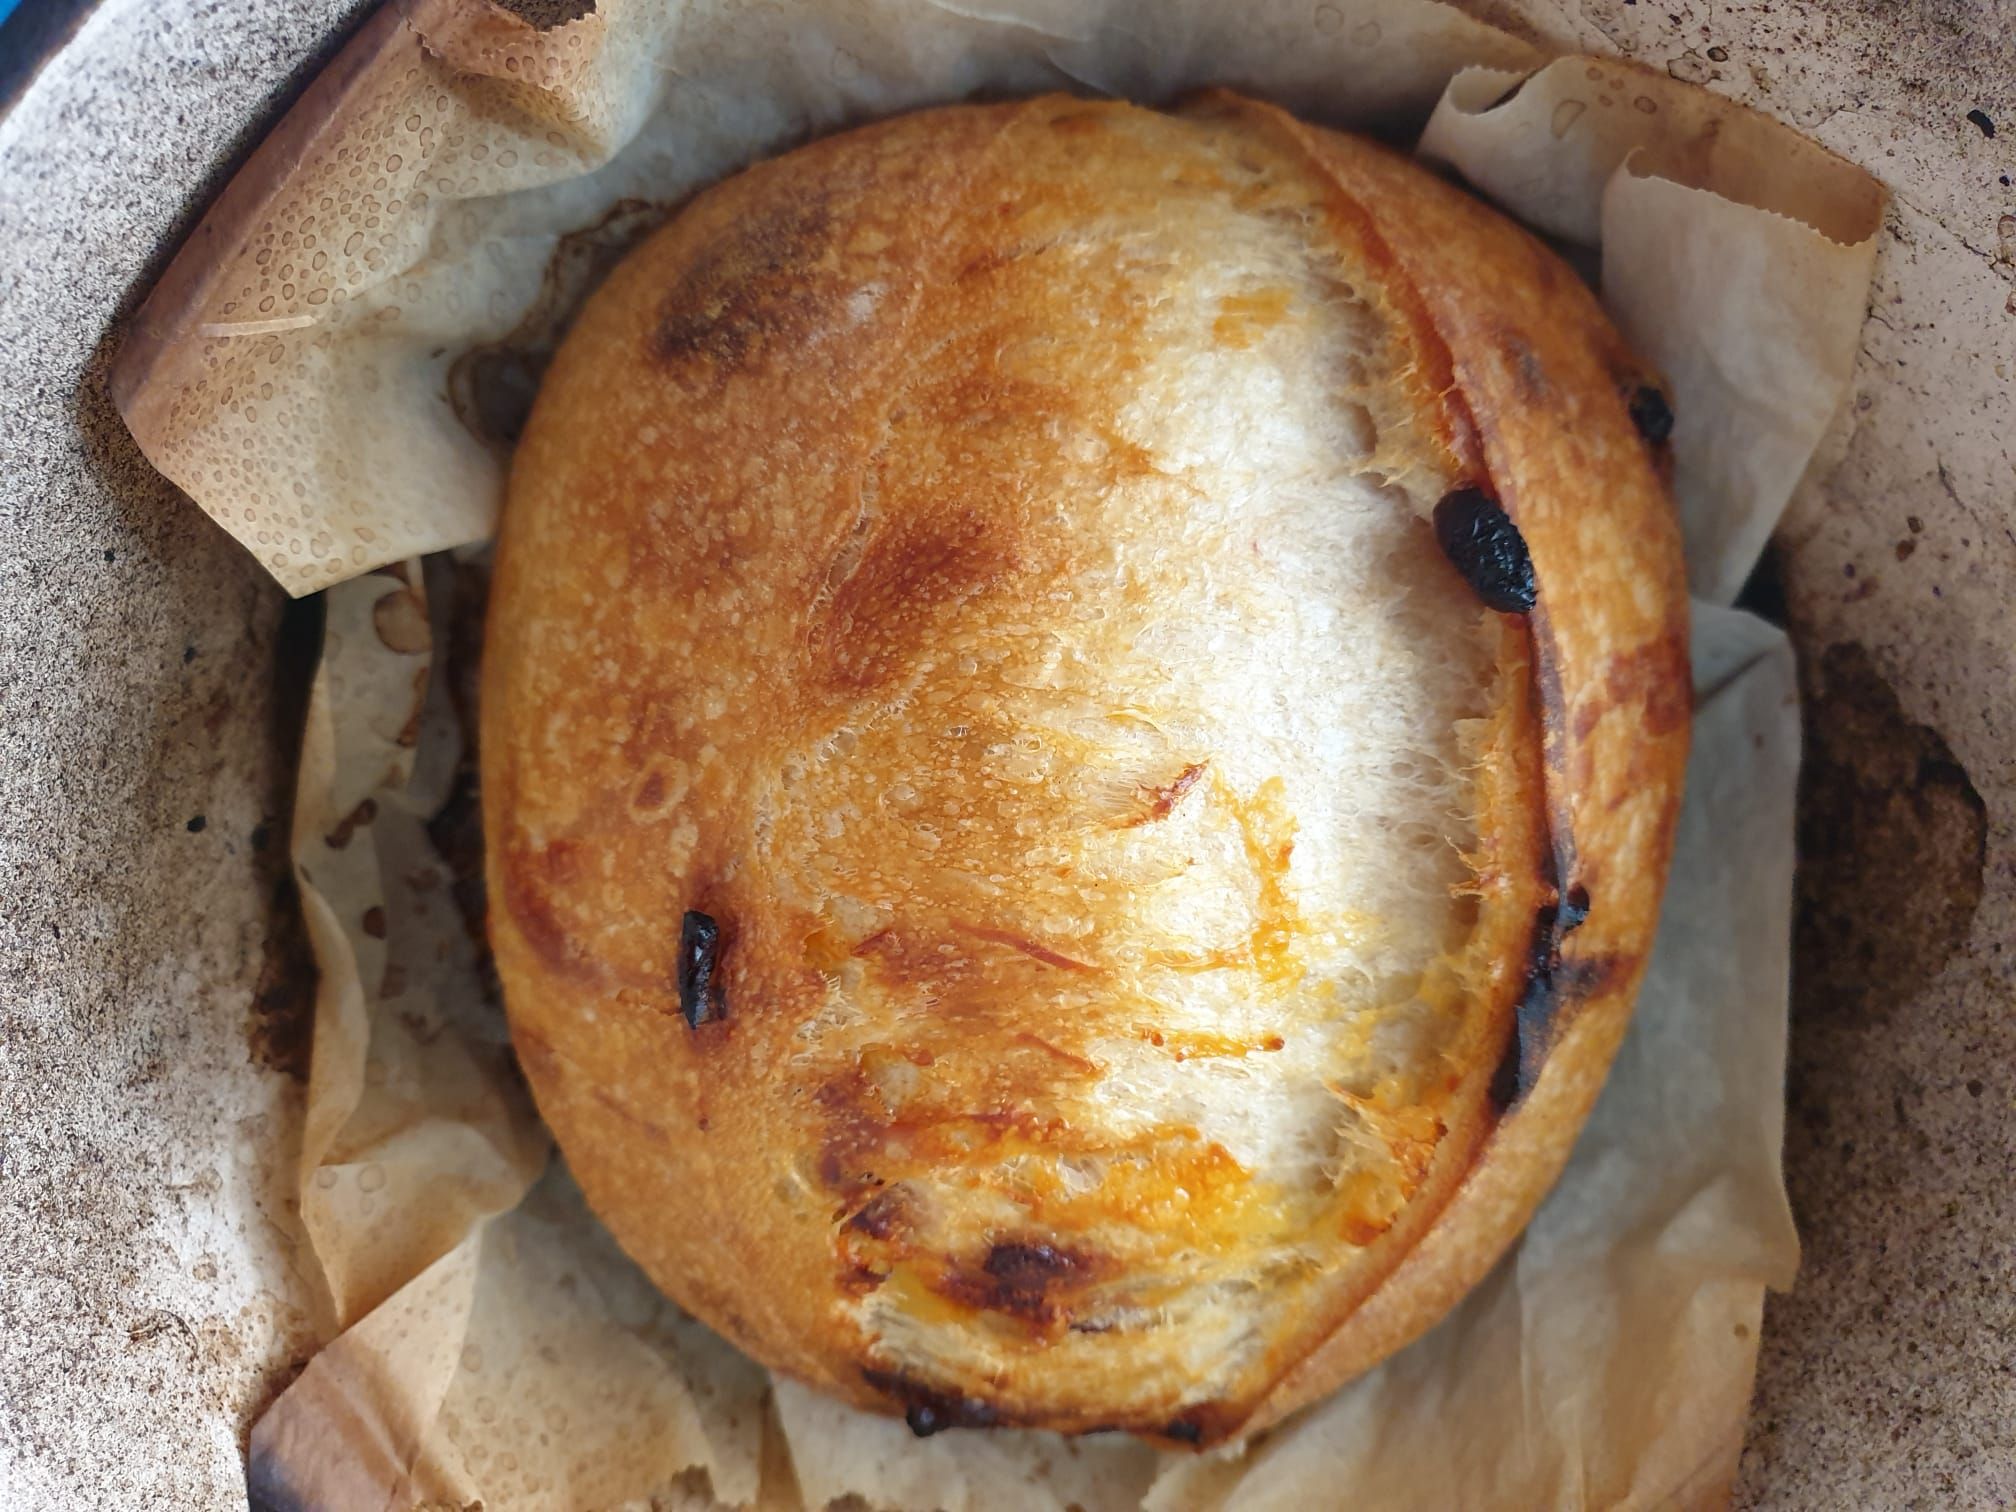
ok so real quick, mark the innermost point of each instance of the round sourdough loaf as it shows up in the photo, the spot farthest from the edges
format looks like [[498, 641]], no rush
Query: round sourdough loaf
[[1083, 720]]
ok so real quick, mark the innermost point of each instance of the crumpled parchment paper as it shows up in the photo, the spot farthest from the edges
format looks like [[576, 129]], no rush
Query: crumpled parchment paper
[[334, 369]]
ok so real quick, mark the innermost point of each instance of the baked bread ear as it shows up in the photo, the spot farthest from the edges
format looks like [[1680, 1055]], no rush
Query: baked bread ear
[[1082, 726]]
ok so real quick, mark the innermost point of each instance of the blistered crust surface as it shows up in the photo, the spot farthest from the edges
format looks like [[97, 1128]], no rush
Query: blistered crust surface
[[983, 564]]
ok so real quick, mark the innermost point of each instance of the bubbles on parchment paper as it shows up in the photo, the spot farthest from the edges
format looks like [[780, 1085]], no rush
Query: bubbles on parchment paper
[[302, 392], [1611, 89], [338, 228], [545, 59]]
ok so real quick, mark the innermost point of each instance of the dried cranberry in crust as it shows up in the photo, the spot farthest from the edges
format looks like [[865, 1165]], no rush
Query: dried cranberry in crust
[[1484, 545], [700, 997]]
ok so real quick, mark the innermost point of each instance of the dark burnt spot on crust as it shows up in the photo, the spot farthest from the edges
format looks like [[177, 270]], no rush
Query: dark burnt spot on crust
[[1551, 988], [1027, 1280], [1578, 978], [1484, 545], [1651, 413], [1196, 1426], [1574, 908], [702, 999], [927, 1418], [1534, 1016], [1550, 992], [930, 1409], [746, 293], [1535, 1013], [1551, 983], [1526, 1050], [1030, 1267]]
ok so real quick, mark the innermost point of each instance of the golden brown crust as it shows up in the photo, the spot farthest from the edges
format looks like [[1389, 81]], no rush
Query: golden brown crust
[[1540, 385], [712, 498]]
